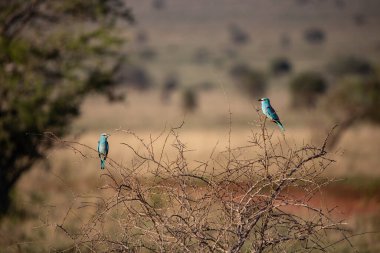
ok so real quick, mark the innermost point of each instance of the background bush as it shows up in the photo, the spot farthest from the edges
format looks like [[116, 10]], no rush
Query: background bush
[[280, 65], [350, 65], [306, 88], [314, 36], [189, 100], [249, 81]]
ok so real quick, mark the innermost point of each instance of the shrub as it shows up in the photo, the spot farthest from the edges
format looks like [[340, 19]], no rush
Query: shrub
[[158, 4], [171, 83], [249, 81], [315, 36], [360, 19], [142, 37], [230, 53], [189, 100], [239, 70], [238, 35], [285, 41], [137, 77], [306, 88], [280, 65], [239, 200], [350, 65], [148, 54], [201, 55], [206, 86]]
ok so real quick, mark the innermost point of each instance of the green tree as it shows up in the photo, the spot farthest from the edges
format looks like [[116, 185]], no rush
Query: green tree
[[52, 53]]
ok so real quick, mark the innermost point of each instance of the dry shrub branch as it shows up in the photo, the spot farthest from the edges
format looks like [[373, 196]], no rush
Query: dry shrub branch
[[254, 198]]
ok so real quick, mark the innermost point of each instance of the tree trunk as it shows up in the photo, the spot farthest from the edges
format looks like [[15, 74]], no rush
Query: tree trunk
[[9, 175], [5, 199], [338, 133]]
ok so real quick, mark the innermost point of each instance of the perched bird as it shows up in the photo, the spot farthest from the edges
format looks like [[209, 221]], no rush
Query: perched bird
[[270, 112], [103, 149]]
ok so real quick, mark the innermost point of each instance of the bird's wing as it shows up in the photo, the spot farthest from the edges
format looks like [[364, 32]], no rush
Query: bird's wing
[[107, 148], [272, 113], [98, 148]]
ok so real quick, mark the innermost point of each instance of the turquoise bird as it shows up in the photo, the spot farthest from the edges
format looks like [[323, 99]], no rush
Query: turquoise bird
[[270, 112], [103, 149]]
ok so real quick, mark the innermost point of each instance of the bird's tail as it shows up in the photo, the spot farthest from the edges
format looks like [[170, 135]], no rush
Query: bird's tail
[[280, 125], [102, 164]]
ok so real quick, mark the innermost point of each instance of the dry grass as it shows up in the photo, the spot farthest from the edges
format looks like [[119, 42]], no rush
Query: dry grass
[[71, 181], [236, 198]]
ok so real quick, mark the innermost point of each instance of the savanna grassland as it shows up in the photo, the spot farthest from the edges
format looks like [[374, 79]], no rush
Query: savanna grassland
[[70, 180]]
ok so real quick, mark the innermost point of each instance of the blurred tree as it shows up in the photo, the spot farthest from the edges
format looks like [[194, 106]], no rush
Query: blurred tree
[[360, 19], [147, 53], [340, 4], [350, 65], [142, 37], [136, 77], [206, 86], [240, 69], [158, 4], [171, 83], [230, 53], [306, 87], [280, 65], [354, 99], [189, 100], [238, 35], [314, 36], [285, 41], [201, 55], [250, 81], [52, 53]]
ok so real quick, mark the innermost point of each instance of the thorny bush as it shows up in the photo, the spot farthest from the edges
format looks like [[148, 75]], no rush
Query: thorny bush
[[254, 198]]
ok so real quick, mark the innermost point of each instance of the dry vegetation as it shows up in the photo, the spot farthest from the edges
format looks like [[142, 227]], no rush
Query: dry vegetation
[[203, 187], [241, 199], [72, 182]]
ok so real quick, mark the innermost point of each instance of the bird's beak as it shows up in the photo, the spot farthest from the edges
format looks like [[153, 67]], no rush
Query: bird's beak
[[260, 99]]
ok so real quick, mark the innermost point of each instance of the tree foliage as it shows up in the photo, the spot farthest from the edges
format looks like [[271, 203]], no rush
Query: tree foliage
[[237, 35], [250, 81], [189, 100], [355, 98], [355, 94], [358, 96], [171, 83], [280, 65], [52, 54], [314, 36], [350, 65], [306, 88]]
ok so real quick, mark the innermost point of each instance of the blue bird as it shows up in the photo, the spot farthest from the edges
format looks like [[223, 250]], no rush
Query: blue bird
[[103, 149], [270, 112]]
